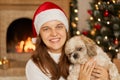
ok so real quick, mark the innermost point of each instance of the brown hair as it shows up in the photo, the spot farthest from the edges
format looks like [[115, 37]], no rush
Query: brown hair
[[46, 63]]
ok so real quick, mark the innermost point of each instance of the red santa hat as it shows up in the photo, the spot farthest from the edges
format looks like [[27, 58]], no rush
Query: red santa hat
[[48, 11]]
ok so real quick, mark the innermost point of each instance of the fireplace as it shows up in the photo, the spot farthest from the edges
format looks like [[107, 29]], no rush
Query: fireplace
[[15, 28], [10, 37], [19, 38]]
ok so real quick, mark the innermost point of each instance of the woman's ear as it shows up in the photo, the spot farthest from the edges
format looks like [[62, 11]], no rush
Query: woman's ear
[[90, 45]]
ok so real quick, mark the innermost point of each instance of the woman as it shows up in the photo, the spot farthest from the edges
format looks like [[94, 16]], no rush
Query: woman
[[49, 61]]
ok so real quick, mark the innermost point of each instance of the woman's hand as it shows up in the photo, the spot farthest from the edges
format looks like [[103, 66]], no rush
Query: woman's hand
[[100, 73], [86, 70]]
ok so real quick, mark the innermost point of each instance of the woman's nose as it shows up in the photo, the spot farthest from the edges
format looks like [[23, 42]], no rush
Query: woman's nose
[[53, 32]]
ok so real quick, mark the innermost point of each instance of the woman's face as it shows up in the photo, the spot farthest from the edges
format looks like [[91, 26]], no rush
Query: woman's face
[[53, 34]]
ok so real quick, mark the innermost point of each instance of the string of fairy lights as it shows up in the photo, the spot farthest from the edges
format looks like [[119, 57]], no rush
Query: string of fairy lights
[[74, 18]]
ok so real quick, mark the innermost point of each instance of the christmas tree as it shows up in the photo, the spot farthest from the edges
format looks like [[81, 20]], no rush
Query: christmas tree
[[104, 24]]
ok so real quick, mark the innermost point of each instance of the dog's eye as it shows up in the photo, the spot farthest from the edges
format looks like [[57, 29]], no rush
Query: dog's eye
[[79, 49]]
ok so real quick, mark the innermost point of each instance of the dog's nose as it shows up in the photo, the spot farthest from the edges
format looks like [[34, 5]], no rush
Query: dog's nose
[[75, 55]]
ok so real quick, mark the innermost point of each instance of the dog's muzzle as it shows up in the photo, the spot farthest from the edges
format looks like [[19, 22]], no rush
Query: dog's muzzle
[[75, 55]]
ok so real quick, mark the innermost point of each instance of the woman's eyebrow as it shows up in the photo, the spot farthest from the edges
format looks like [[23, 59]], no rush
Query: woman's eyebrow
[[60, 24], [44, 26]]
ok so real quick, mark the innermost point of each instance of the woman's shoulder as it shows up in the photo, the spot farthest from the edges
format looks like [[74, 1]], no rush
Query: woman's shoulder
[[33, 72], [32, 67], [30, 63]]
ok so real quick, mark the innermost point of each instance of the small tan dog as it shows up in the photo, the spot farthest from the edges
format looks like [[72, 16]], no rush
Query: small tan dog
[[80, 49]]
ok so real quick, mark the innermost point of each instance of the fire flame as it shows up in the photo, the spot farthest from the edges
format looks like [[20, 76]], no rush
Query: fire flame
[[25, 46]]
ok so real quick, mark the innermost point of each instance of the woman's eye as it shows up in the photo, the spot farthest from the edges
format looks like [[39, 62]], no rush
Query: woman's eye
[[45, 29], [59, 26]]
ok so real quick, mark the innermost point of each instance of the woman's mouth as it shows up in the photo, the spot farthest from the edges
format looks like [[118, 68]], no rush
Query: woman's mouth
[[54, 40]]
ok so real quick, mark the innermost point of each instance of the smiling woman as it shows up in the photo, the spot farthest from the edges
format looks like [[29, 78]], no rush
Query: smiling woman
[[51, 28]]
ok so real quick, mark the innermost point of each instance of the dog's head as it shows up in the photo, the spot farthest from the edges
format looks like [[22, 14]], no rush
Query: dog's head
[[79, 49]]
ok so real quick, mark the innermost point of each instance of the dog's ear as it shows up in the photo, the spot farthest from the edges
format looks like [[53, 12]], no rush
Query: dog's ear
[[90, 44]]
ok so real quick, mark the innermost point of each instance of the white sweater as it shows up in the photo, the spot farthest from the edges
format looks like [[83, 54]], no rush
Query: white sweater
[[34, 73]]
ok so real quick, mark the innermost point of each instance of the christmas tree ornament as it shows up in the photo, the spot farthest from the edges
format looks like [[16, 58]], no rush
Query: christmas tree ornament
[[115, 19], [106, 13], [103, 29], [116, 33], [116, 42], [85, 32], [97, 26], [97, 13], [93, 32], [116, 26], [90, 12]]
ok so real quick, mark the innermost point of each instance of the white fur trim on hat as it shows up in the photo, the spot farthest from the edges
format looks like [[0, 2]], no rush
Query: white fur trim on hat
[[49, 15]]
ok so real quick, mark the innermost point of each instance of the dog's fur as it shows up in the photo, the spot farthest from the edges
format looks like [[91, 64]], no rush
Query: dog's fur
[[80, 49]]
